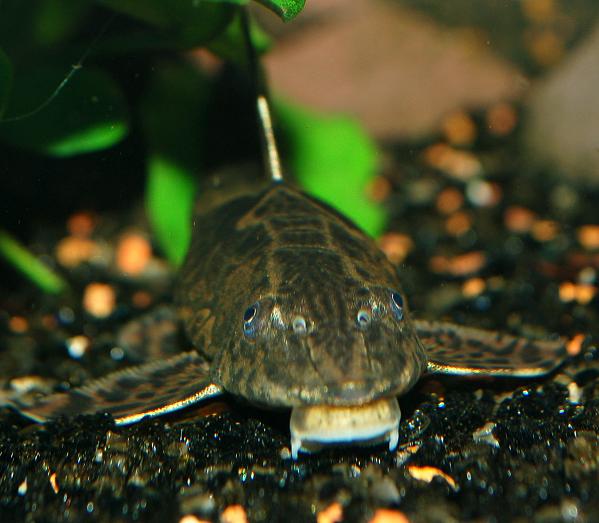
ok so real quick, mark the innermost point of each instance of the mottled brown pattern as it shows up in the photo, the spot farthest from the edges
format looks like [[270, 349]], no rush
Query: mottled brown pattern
[[292, 257], [146, 390], [152, 336], [456, 349], [287, 252]]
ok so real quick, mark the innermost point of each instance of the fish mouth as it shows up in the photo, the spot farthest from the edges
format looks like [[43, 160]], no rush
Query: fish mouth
[[348, 393], [315, 426]]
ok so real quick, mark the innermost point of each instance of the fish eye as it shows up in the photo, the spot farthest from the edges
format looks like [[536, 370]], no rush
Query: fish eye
[[397, 305], [249, 316], [299, 325], [363, 318]]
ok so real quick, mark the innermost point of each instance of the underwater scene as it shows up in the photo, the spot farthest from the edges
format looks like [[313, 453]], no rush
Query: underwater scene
[[299, 260]]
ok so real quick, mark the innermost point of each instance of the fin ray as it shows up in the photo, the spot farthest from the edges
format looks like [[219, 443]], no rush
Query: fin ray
[[131, 394], [460, 350]]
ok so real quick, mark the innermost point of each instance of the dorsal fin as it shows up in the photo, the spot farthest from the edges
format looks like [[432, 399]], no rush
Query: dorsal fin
[[271, 152], [269, 144]]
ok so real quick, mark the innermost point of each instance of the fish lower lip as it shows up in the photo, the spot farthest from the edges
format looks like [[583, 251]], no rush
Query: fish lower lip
[[348, 393], [352, 392], [315, 426]]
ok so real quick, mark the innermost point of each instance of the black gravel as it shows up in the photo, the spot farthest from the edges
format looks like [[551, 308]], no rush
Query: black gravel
[[511, 450]]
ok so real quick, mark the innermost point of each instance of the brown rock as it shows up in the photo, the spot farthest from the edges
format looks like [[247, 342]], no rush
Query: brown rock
[[563, 122], [397, 71]]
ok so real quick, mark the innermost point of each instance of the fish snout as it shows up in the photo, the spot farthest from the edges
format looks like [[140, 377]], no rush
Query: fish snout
[[361, 366], [355, 391]]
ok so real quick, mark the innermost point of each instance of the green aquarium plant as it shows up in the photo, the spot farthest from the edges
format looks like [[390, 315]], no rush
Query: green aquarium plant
[[57, 65]]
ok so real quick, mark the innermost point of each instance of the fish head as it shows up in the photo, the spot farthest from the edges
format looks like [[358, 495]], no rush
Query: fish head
[[340, 344]]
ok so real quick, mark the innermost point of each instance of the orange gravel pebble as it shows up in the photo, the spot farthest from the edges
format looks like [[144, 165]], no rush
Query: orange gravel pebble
[[567, 291], [81, 224], [379, 189], [133, 253], [49, 321], [99, 299], [501, 119], [574, 346], [461, 165], [583, 293], [74, 250], [142, 299], [190, 518], [461, 265], [331, 514], [545, 230], [429, 473], [234, 514], [396, 246], [459, 128], [439, 264], [473, 287], [18, 324], [588, 236], [412, 449], [519, 219], [458, 223], [449, 200], [54, 483], [386, 515]]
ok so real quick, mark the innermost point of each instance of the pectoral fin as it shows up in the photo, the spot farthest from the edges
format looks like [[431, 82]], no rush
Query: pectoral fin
[[129, 395], [455, 349]]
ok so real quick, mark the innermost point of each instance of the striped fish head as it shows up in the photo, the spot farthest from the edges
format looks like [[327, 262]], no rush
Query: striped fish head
[[338, 344]]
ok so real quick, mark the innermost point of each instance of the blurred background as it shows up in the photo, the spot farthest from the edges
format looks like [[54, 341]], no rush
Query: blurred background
[[462, 136], [132, 103], [401, 68]]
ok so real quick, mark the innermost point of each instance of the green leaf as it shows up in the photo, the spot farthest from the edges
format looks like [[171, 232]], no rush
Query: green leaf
[[170, 193], [29, 265], [173, 116], [230, 44], [194, 22], [36, 29], [88, 114], [5, 80], [286, 9], [52, 21], [334, 159], [200, 19]]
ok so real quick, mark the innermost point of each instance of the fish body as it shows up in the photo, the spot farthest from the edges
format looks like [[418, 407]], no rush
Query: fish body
[[321, 325], [289, 304], [295, 307]]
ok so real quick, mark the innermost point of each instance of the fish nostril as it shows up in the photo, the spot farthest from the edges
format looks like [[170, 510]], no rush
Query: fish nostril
[[299, 325], [363, 318]]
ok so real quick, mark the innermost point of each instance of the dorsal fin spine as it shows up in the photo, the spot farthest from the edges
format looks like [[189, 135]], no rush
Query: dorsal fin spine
[[271, 150], [269, 143]]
